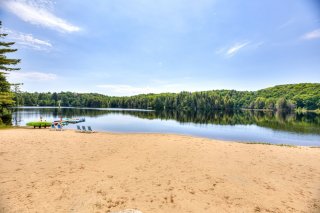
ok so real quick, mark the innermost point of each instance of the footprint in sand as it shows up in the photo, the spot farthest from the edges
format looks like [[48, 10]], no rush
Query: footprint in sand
[[257, 209]]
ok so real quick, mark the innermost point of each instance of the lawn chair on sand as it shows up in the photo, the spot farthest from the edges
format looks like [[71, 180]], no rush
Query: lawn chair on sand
[[53, 127], [84, 129], [59, 127], [78, 129], [90, 130]]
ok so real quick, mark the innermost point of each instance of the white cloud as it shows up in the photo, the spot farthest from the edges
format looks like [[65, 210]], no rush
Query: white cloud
[[235, 48], [21, 76], [312, 35], [37, 12], [229, 51], [123, 90], [128, 90], [27, 40]]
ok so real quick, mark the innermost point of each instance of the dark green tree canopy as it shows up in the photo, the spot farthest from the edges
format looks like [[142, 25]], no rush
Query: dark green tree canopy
[[6, 96], [5, 62], [281, 98]]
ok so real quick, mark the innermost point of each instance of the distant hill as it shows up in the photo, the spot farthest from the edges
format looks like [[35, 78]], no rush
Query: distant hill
[[289, 91], [304, 96]]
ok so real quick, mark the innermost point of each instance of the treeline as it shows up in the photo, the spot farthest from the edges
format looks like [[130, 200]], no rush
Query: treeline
[[283, 97]]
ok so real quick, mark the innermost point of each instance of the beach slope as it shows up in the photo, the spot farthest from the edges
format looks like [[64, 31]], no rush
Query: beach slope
[[51, 171]]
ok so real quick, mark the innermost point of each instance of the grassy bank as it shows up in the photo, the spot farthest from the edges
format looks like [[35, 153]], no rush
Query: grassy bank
[[5, 127]]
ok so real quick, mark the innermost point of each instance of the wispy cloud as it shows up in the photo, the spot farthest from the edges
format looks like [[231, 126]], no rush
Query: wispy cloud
[[229, 51], [235, 48], [31, 76], [37, 12], [312, 35], [27, 40]]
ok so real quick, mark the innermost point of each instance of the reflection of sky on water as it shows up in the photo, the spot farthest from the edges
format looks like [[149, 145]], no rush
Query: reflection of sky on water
[[117, 122]]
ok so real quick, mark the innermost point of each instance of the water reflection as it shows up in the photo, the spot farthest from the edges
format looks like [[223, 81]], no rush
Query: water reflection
[[306, 123]]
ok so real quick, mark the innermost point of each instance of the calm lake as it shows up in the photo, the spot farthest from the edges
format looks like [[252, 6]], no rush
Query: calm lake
[[242, 126]]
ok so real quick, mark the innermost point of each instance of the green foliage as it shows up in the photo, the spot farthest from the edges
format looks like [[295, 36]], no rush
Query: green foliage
[[284, 105], [39, 124], [304, 95], [281, 98], [6, 97]]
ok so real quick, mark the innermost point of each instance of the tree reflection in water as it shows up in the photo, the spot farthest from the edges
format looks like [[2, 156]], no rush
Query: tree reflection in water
[[293, 122]]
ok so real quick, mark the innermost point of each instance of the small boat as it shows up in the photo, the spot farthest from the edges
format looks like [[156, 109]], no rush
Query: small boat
[[60, 122], [76, 120], [70, 120]]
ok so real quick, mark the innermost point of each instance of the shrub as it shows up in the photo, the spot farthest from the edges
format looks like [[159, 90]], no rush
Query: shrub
[[39, 124]]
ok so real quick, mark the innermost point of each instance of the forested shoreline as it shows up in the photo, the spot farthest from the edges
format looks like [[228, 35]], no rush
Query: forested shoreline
[[304, 96]]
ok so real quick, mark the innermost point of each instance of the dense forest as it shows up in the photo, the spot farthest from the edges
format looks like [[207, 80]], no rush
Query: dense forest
[[283, 97]]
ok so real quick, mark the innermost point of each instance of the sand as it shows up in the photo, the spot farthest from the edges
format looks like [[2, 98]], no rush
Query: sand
[[50, 171]]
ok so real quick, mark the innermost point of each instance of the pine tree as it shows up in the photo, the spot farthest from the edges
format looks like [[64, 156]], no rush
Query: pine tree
[[6, 96]]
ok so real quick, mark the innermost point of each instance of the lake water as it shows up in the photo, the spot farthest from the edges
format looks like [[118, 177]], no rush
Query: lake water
[[242, 126]]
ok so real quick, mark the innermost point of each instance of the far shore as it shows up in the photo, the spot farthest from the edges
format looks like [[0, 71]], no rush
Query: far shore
[[67, 171], [317, 111]]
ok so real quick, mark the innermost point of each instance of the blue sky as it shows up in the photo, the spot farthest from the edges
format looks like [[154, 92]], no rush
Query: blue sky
[[127, 47]]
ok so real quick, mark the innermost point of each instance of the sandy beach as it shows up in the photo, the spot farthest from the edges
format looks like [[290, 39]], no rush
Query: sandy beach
[[51, 171]]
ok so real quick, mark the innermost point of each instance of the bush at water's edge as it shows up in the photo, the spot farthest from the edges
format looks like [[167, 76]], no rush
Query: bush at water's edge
[[39, 124]]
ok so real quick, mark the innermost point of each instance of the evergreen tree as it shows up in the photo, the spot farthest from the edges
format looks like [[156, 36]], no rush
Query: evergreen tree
[[6, 96]]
